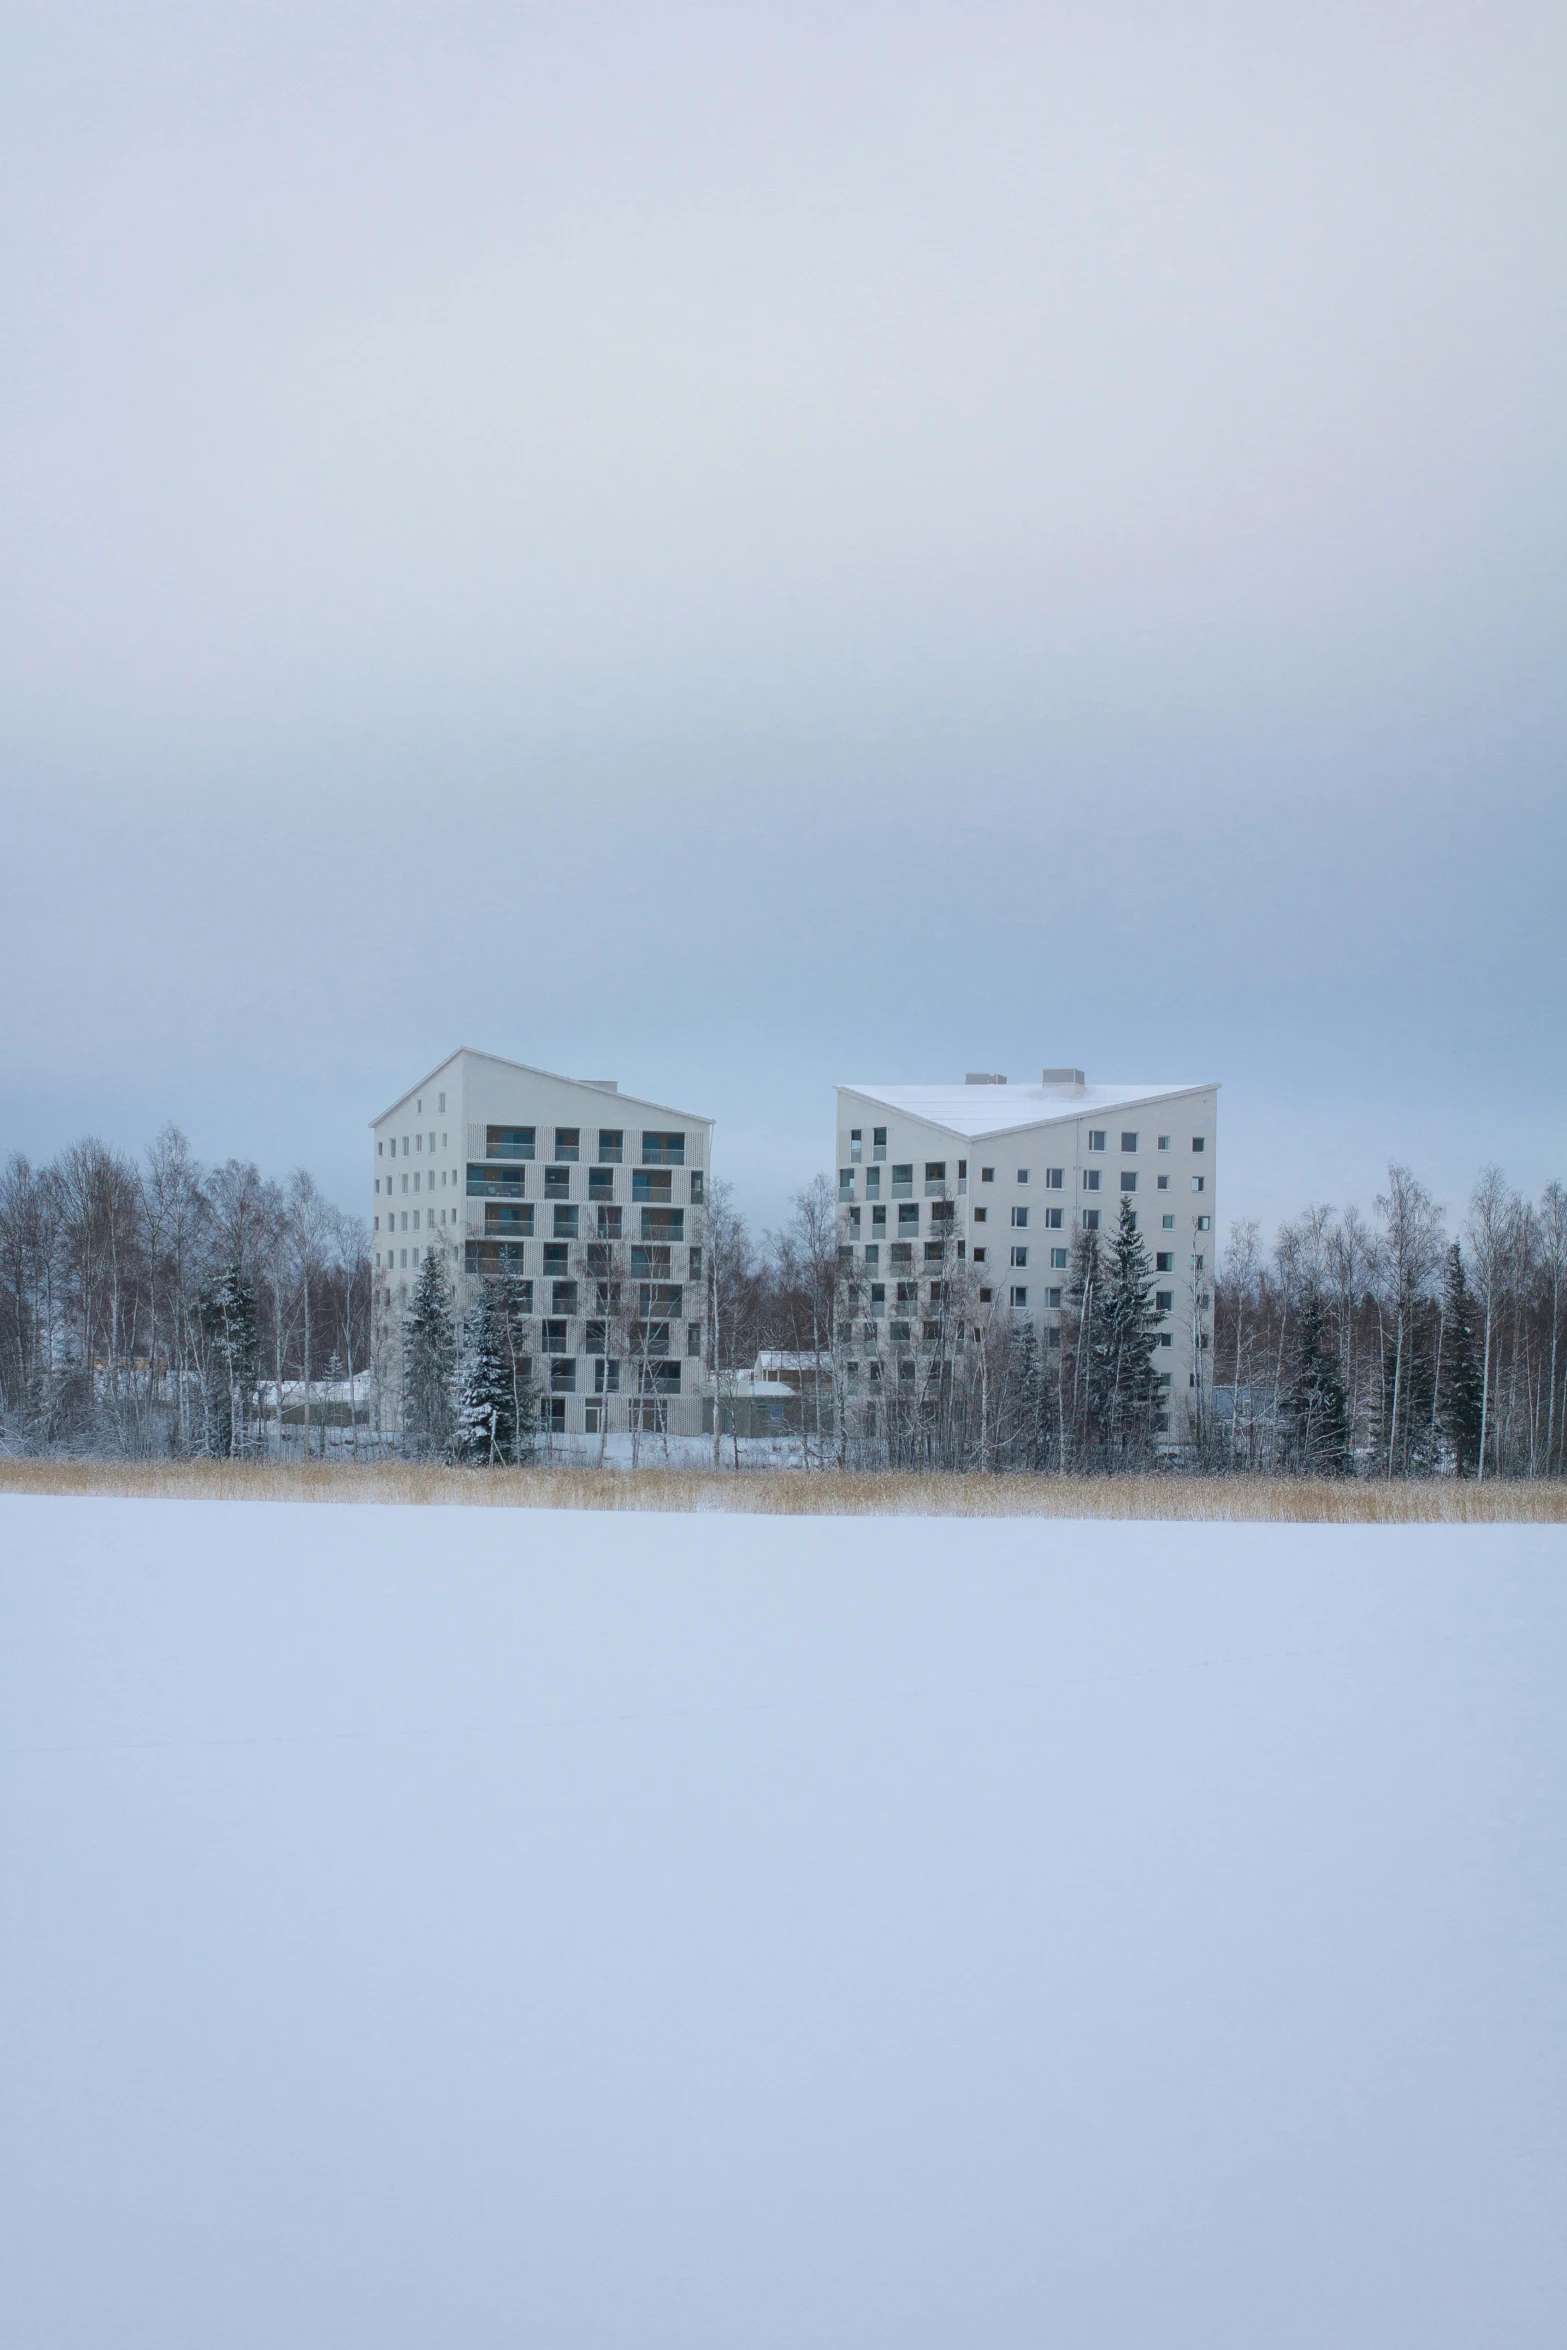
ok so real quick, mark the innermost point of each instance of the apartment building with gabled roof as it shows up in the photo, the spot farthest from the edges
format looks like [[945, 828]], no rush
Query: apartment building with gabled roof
[[997, 1177], [592, 1199]]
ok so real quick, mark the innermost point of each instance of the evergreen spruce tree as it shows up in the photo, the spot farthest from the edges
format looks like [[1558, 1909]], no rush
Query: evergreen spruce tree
[[1458, 1392], [1085, 1368], [1019, 1448], [512, 1337], [1131, 1337], [429, 1359], [484, 1431], [227, 1310], [1316, 1412]]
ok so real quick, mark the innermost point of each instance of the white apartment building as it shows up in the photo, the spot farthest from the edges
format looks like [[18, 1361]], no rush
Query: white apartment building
[[593, 1199], [1014, 1171]]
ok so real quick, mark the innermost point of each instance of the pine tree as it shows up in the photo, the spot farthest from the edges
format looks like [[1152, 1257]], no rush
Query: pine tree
[[1131, 1336], [227, 1309], [1316, 1413], [429, 1359], [1458, 1391], [1086, 1375], [495, 1404]]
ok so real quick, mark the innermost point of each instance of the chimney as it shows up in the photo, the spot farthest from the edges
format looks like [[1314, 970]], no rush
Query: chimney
[[982, 1077], [1070, 1083]]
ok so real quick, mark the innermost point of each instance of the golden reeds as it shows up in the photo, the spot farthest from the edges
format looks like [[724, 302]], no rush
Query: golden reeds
[[790, 1493]]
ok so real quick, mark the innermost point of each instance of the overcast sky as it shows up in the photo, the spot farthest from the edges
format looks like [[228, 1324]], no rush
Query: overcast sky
[[740, 548]]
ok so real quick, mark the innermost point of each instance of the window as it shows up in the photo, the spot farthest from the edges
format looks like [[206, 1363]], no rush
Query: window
[[1128, 1178], [943, 1211], [1128, 1140], [846, 1183], [879, 1141], [1090, 1178], [496, 1256], [696, 1264], [899, 1333], [930, 1330], [609, 1223], [508, 1142], [902, 1179], [981, 1215], [494, 1182], [985, 1296], [418, 1142], [601, 1183], [1090, 1219], [1199, 1142], [1165, 1339], [1164, 1301], [606, 1378], [501, 1216], [696, 1187], [1020, 1218], [557, 1183], [554, 1338], [405, 1183], [908, 1293], [416, 1219], [1019, 1296], [380, 1150], [563, 1297], [934, 1252], [650, 1264], [872, 1253], [1163, 1182], [1053, 1298], [563, 1377], [663, 1223], [662, 1301], [1053, 1218], [878, 1219], [1053, 1336], [612, 1143], [1096, 1138], [1199, 1183], [440, 1104], [902, 1252], [873, 1183], [1204, 1223], [566, 1223], [652, 1185], [856, 1143], [908, 1216], [979, 1256], [1058, 1260], [556, 1257], [935, 1177], [854, 1219], [1164, 1142], [1020, 1256], [987, 1174], [1164, 1261], [1022, 1174], [878, 1296], [663, 1150], [693, 1338], [1055, 1178], [567, 1141], [1168, 1223]]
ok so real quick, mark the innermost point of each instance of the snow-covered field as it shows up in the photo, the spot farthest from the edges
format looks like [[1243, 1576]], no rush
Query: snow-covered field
[[469, 1928]]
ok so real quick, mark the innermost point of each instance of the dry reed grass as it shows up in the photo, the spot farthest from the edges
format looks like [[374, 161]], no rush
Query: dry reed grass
[[789, 1493]]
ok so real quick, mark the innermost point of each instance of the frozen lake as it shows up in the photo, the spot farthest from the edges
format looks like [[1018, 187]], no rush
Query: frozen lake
[[481, 1928]]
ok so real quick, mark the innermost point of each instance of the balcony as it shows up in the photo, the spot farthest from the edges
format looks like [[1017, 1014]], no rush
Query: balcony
[[495, 1182]]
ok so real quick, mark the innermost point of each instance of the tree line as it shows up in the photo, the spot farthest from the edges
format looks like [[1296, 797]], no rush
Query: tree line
[[162, 1306], [156, 1305], [1390, 1346]]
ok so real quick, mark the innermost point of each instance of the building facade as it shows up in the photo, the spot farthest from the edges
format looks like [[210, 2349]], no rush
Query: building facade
[[990, 1181], [591, 1200]]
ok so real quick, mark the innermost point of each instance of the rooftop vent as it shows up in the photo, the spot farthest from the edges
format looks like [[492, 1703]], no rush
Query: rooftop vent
[[1063, 1081], [601, 1084], [982, 1077]]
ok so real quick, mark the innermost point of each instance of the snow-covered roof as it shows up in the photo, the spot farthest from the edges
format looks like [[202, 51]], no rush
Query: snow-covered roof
[[630, 1101], [975, 1110]]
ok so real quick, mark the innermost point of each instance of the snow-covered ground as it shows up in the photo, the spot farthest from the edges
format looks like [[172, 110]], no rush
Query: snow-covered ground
[[483, 1927]]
